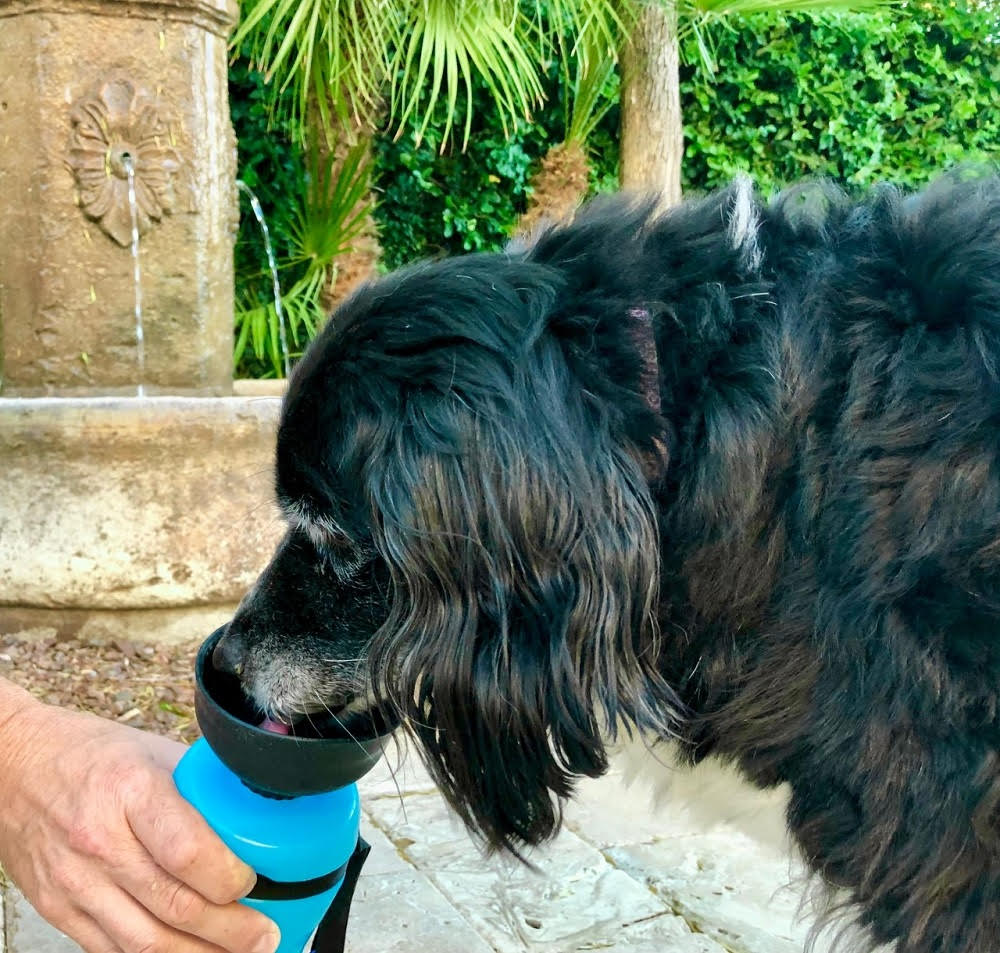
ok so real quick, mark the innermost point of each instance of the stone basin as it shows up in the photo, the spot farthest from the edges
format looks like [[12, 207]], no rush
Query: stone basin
[[147, 516]]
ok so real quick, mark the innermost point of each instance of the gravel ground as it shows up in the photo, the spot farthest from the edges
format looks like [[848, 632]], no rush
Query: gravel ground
[[141, 684]]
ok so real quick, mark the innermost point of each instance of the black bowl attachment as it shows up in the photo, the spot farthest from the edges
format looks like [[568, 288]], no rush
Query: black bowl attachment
[[274, 764]]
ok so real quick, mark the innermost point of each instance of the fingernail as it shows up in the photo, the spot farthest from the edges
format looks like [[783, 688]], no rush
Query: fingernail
[[251, 883], [269, 943]]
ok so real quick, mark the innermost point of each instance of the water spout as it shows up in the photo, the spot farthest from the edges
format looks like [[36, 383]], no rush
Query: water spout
[[133, 207], [273, 265]]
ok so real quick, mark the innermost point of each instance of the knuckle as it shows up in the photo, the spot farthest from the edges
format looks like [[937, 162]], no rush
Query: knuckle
[[50, 904], [184, 907], [71, 880], [134, 936], [228, 887], [157, 939], [87, 839], [150, 945], [182, 855], [129, 779]]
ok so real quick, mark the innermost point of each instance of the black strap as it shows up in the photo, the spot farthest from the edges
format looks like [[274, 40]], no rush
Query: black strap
[[332, 933], [268, 889]]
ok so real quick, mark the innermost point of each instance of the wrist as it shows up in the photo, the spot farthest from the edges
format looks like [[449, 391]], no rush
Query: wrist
[[18, 709]]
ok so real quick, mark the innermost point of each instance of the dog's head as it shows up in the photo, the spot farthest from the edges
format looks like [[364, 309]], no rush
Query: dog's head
[[471, 541]]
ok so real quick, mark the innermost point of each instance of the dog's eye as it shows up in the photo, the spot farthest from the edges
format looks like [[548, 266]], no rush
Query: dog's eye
[[343, 556]]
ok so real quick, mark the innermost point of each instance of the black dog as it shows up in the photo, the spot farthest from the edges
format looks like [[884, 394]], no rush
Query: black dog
[[730, 474]]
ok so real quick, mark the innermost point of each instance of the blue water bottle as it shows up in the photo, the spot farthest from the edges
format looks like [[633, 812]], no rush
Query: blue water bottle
[[286, 805]]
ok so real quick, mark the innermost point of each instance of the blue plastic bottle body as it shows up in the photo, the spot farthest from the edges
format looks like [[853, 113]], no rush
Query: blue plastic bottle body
[[285, 840]]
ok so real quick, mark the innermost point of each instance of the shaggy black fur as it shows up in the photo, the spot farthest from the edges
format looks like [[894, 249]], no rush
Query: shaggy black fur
[[811, 589]]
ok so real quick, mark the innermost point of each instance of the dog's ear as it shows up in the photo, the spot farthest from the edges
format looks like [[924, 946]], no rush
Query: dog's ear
[[522, 542]]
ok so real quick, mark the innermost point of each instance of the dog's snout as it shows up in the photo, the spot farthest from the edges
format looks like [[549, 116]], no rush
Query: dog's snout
[[230, 654]]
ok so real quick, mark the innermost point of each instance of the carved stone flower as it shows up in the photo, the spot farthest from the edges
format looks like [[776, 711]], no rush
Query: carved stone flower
[[113, 126]]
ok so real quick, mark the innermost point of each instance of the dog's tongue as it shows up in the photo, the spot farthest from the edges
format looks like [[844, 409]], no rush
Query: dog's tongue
[[275, 727]]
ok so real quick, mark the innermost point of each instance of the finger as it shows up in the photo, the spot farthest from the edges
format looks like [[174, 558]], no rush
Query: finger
[[180, 841], [132, 928], [83, 929], [232, 926]]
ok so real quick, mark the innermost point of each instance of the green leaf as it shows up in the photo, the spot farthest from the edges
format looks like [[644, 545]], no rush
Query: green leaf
[[450, 44]]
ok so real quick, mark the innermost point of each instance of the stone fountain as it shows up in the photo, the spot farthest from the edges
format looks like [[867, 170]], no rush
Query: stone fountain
[[121, 514]]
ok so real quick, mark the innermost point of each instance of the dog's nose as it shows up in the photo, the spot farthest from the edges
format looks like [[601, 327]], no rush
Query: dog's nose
[[229, 655]]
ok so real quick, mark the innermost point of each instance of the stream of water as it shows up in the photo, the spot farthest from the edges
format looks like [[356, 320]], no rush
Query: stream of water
[[129, 163], [133, 207], [273, 265]]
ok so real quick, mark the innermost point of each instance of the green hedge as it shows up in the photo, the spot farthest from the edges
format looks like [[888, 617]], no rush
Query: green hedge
[[858, 98]]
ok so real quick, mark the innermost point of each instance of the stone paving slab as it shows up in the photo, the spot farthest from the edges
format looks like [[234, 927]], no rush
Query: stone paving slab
[[573, 897], [708, 881], [702, 870], [403, 913]]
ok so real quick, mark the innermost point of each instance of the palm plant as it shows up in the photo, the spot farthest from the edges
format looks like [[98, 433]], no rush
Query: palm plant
[[371, 61], [353, 67], [563, 176], [323, 220], [346, 68]]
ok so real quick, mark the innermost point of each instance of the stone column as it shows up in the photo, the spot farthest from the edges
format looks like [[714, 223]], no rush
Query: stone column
[[86, 86]]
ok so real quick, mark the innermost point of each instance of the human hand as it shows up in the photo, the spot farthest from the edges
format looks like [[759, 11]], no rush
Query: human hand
[[96, 835]]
